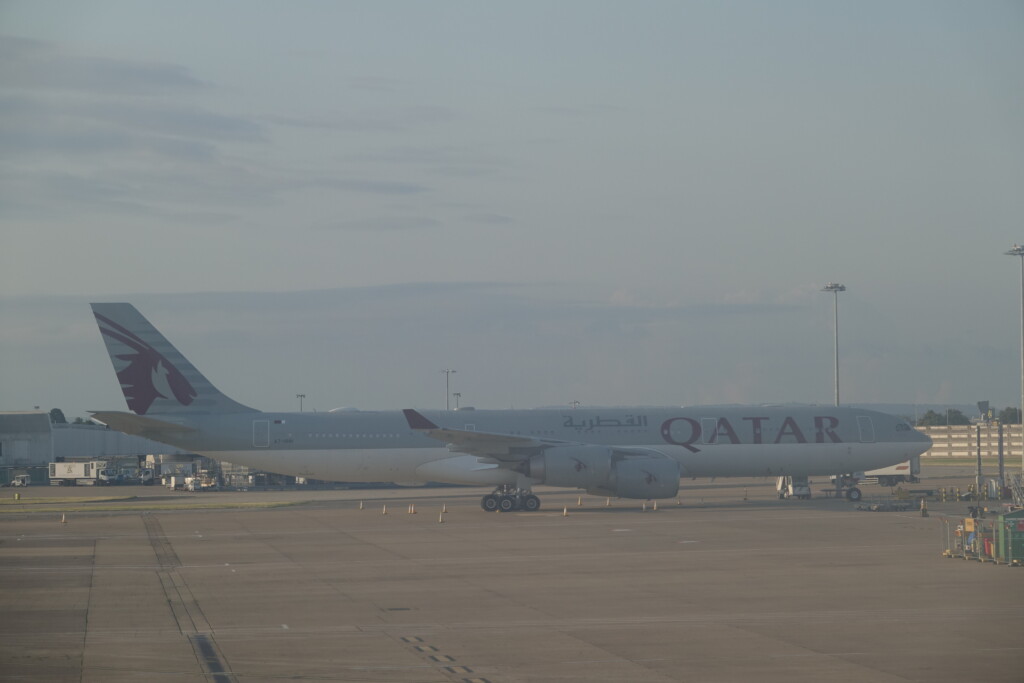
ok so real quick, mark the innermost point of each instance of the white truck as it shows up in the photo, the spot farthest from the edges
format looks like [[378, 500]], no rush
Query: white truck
[[81, 473], [894, 475], [904, 472]]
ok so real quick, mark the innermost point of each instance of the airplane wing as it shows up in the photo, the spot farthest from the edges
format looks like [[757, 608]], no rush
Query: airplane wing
[[506, 448]]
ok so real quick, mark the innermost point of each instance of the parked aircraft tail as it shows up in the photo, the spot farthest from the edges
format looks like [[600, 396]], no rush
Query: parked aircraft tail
[[154, 376]]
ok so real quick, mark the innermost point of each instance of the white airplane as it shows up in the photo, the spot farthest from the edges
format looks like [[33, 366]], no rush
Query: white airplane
[[635, 452]]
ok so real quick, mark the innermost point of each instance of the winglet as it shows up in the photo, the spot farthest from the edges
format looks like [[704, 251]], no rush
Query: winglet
[[417, 421]]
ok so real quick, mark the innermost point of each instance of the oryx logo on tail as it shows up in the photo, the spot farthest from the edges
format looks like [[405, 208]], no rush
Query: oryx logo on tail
[[148, 375]]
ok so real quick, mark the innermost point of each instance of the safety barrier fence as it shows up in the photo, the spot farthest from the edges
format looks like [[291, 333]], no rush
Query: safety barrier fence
[[962, 441], [999, 540]]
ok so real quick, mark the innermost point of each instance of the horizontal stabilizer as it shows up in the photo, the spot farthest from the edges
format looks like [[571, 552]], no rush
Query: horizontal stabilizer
[[147, 427], [417, 420]]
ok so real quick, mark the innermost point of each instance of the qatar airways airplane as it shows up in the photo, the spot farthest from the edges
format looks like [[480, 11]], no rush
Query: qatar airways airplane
[[638, 452]]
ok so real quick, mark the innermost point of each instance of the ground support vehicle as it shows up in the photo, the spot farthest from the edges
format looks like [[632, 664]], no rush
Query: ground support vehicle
[[793, 487], [905, 472], [81, 473]]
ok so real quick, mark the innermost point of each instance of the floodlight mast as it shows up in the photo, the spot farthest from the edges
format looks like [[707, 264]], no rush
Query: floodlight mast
[[447, 388], [1018, 250], [835, 288]]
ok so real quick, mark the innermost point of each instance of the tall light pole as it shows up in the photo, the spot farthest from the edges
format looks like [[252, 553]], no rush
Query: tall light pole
[[447, 388], [300, 397], [457, 395], [1018, 250], [835, 288]]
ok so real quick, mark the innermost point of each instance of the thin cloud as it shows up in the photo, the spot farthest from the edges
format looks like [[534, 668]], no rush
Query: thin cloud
[[386, 120], [36, 65], [386, 224], [165, 118], [488, 219], [39, 125], [384, 187]]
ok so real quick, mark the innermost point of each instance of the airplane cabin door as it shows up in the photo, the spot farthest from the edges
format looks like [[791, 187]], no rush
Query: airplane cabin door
[[867, 429], [260, 433]]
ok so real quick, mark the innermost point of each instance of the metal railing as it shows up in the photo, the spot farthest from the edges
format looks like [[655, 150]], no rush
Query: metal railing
[[1017, 489]]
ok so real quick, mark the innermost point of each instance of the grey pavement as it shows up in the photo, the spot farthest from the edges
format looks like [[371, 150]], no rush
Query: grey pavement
[[727, 584]]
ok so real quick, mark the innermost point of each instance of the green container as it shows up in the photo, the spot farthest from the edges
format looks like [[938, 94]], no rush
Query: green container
[[1011, 537]]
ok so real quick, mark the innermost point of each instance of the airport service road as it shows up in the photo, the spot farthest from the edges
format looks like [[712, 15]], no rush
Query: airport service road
[[716, 589]]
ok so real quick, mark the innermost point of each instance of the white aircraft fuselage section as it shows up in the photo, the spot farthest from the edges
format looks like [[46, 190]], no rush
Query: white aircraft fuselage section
[[707, 441]]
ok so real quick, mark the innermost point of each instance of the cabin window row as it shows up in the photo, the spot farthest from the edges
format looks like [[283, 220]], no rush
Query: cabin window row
[[353, 436]]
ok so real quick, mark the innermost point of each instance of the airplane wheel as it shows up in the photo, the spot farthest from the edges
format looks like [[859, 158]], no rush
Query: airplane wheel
[[489, 502], [531, 503], [507, 504], [853, 494]]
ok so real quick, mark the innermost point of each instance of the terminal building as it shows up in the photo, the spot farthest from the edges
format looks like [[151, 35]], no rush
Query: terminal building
[[26, 445], [30, 441]]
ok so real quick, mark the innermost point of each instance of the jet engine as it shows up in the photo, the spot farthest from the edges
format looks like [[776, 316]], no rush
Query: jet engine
[[606, 471]]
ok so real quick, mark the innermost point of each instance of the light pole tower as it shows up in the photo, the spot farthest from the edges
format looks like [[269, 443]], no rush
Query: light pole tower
[[835, 288], [300, 397], [447, 388], [1018, 250]]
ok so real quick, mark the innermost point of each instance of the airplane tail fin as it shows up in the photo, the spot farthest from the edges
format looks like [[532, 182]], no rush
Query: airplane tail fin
[[154, 376]]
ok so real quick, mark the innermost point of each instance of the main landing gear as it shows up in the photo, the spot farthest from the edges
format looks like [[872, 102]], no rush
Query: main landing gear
[[846, 485], [508, 498]]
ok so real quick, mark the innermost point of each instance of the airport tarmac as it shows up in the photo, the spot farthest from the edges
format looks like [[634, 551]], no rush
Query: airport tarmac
[[728, 584]]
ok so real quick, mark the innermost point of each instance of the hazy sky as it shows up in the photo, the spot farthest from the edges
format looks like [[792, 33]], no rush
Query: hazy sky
[[607, 202]]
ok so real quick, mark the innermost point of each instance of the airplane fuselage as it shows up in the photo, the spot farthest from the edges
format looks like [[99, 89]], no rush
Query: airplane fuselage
[[707, 441]]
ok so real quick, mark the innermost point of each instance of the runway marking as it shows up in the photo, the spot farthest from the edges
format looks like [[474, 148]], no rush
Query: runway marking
[[425, 649], [184, 607]]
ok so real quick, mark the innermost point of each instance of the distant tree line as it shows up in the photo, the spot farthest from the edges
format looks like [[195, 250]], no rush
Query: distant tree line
[[956, 417]]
